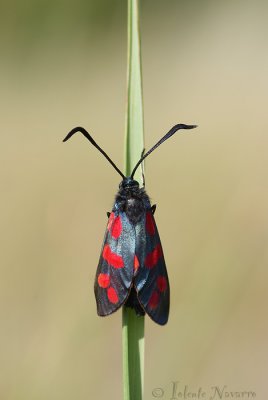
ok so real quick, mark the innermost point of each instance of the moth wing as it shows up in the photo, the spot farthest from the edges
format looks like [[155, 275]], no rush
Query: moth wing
[[151, 278], [115, 269]]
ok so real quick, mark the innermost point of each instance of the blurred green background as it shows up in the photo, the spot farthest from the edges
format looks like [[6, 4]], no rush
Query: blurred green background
[[63, 64]]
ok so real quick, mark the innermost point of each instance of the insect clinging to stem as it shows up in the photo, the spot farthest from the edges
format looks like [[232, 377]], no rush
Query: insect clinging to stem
[[132, 269]]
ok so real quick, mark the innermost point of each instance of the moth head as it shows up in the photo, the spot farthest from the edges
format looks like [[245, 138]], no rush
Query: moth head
[[128, 183]]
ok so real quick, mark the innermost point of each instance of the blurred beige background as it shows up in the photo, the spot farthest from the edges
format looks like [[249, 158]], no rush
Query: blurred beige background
[[63, 64]]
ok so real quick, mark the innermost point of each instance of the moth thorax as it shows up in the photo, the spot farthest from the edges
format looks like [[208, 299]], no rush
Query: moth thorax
[[131, 202]]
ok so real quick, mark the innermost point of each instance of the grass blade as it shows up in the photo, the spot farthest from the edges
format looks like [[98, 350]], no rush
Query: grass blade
[[133, 326]]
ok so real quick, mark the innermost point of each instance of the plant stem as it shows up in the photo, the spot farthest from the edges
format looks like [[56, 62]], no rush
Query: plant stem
[[133, 325], [134, 142]]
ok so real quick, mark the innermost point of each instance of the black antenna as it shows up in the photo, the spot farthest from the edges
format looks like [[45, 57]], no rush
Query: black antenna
[[167, 136], [92, 141]]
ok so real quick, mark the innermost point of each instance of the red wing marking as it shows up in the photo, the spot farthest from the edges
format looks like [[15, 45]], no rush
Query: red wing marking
[[154, 299], [112, 259], [153, 257], [150, 224], [136, 263], [162, 283], [114, 226], [112, 295], [111, 219], [117, 228], [104, 280]]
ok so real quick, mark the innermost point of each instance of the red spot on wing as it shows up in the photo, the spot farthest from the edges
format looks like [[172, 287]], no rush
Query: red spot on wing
[[149, 224], [153, 257], [106, 252], [162, 283], [136, 263], [113, 259], [110, 221], [112, 295], [154, 299], [116, 228], [104, 280], [114, 225]]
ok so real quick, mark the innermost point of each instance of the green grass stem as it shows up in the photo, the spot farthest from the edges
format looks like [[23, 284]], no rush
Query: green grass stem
[[133, 326]]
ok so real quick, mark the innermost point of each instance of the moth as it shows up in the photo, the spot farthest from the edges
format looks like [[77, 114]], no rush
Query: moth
[[132, 269]]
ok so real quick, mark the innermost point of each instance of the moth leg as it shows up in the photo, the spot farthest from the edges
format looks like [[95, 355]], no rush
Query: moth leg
[[153, 208], [108, 214]]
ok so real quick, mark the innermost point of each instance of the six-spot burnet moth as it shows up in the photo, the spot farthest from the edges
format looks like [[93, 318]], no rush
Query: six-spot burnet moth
[[132, 269]]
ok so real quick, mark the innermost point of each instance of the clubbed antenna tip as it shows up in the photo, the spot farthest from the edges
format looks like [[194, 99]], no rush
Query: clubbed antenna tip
[[171, 132]]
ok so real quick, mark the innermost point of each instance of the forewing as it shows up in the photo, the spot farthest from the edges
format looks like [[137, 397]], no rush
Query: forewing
[[151, 279], [115, 269]]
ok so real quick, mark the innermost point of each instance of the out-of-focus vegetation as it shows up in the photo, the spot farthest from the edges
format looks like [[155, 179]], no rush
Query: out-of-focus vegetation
[[63, 64]]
